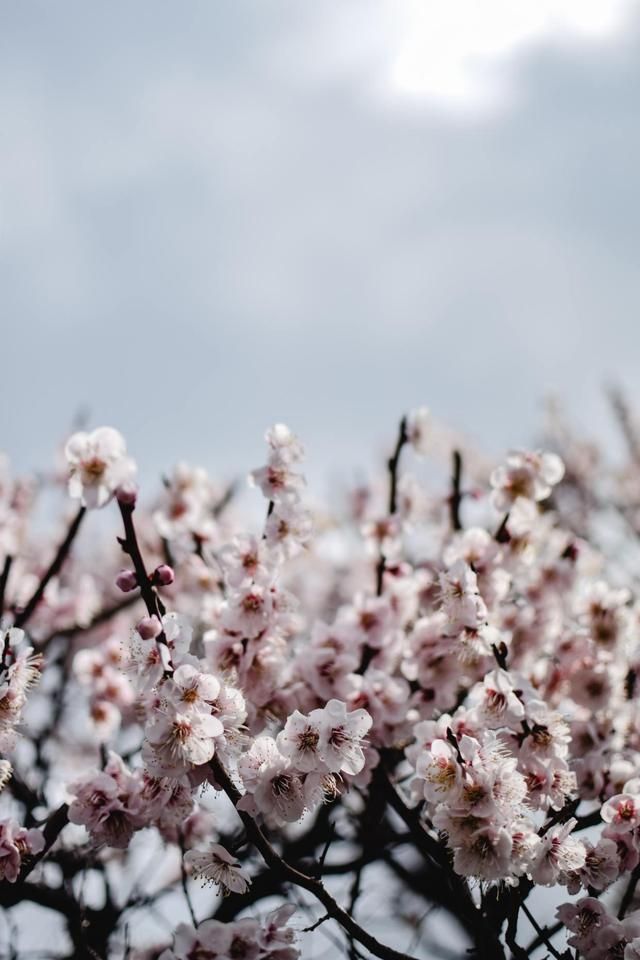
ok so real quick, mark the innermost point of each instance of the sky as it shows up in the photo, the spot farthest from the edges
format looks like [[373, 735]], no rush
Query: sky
[[221, 215]]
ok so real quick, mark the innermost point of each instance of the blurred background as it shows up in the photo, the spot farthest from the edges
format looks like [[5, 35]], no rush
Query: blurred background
[[218, 215]]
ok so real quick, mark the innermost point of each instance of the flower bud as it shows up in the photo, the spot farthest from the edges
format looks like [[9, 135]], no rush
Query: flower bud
[[163, 575], [127, 494], [149, 628], [126, 581]]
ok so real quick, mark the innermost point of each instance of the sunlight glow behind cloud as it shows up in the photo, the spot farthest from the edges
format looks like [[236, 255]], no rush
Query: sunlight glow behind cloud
[[458, 52]]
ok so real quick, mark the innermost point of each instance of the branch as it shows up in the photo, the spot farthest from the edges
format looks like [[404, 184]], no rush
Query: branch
[[103, 616], [455, 498], [153, 603], [4, 577], [273, 860], [627, 897], [368, 653], [53, 570], [485, 934], [52, 829], [542, 933]]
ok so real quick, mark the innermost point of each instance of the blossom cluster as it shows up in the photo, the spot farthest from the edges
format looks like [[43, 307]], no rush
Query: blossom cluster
[[457, 669], [245, 939]]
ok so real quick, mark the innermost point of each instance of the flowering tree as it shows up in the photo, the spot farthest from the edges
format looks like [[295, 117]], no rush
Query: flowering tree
[[216, 743]]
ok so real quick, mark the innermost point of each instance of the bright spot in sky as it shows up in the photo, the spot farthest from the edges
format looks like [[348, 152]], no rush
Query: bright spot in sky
[[458, 52]]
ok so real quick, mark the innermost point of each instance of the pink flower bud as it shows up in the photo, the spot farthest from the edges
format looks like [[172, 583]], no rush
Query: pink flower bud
[[126, 581], [127, 494], [149, 628], [163, 575]]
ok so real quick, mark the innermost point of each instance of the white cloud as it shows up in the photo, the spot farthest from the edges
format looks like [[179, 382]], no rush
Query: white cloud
[[457, 54]]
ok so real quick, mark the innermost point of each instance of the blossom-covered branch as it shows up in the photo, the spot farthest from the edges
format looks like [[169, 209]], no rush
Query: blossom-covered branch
[[405, 712]]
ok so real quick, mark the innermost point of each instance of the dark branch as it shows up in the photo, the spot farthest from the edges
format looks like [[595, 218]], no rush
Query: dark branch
[[56, 565], [290, 874]]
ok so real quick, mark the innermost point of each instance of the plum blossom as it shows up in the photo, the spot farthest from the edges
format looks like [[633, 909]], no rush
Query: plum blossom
[[16, 844], [273, 786], [526, 475], [622, 812], [217, 865], [188, 689], [108, 803], [329, 739], [98, 465], [246, 939], [583, 919], [177, 741], [557, 854], [343, 733]]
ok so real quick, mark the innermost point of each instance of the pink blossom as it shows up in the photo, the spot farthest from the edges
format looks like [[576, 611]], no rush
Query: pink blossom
[[98, 465], [16, 844]]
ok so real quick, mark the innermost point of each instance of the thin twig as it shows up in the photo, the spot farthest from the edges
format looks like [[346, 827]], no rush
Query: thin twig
[[392, 464], [540, 931], [103, 616], [4, 577], [628, 895], [185, 887], [314, 926], [56, 565], [455, 498], [153, 603]]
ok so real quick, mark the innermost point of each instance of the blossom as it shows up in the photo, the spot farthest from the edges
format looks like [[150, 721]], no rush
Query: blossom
[[98, 465], [16, 844], [244, 560], [622, 812], [188, 689], [527, 475], [486, 854], [272, 783], [108, 803], [217, 865], [342, 735], [244, 939], [461, 601], [284, 444], [496, 701], [300, 741], [176, 741], [288, 527], [557, 854], [440, 770], [583, 919]]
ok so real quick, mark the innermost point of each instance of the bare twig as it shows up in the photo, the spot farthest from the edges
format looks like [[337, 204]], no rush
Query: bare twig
[[4, 577], [56, 565], [628, 895], [455, 499], [542, 933]]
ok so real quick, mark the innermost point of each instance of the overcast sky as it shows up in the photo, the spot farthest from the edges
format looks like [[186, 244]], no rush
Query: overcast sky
[[218, 215]]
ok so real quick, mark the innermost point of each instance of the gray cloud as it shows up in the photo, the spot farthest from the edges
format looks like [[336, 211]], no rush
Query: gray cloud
[[199, 235]]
